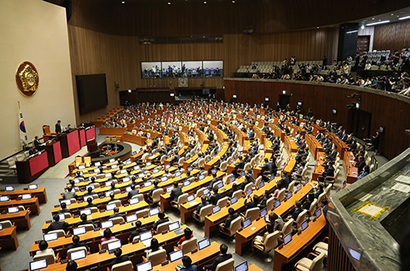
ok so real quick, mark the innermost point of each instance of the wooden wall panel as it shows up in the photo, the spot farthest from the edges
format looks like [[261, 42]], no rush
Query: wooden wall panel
[[119, 57], [387, 111], [392, 36]]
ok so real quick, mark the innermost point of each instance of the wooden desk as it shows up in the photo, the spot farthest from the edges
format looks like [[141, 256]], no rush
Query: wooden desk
[[318, 170], [349, 165], [31, 204], [136, 251], [39, 193], [290, 145], [245, 236], [210, 164], [100, 216], [136, 139], [290, 164], [122, 231], [341, 146], [299, 242], [314, 145], [21, 219], [8, 238], [254, 268], [257, 169], [112, 130], [30, 169], [199, 258]]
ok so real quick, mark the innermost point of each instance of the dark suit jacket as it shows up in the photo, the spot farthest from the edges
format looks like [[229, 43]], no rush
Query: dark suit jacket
[[221, 258], [296, 213], [230, 218], [198, 209], [175, 193], [120, 259], [58, 128], [60, 225], [132, 193], [160, 221], [214, 198], [135, 233]]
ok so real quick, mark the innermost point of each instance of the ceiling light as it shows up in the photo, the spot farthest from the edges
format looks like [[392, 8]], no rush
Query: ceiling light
[[169, 3], [233, 2], [129, 91], [381, 22], [317, 27], [362, 27], [122, 2], [404, 18], [205, 2]]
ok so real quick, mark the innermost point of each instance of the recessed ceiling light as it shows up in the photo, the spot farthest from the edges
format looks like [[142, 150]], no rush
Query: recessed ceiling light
[[122, 2], [317, 27], [392, 14], [372, 18], [205, 2], [233, 2], [169, 3]]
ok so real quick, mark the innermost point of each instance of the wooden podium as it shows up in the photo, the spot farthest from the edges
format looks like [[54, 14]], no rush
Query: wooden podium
[[92, 145]]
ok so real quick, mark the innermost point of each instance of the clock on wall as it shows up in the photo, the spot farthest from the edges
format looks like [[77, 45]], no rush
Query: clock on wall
[[183, 82]]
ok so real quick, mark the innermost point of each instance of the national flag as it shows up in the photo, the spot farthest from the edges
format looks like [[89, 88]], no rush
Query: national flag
[[22, 127]]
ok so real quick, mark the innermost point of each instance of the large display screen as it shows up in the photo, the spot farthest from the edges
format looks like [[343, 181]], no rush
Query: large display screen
[[178, 69], [92, 92]]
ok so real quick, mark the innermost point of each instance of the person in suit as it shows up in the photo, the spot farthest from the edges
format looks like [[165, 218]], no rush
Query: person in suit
[[90, 203], [119, 258], [360, 165], [231, 217], [36, 142], [214, 180], [76, 243], [162, 219], [223, 256], [175, 192], [63, 209], [215, 196], [58, 127], [137, 232], [71, 266], [57, 224], [43, 246], [133, 192], [84, 220], [204, 202], [151, 191], [297, 211], [251, 202], [116, 213], [187, 263]]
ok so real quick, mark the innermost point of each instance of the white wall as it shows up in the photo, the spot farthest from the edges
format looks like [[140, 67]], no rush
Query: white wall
[[35, 31]]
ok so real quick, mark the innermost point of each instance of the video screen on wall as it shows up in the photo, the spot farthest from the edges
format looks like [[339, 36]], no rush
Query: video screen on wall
[[177, 69], [91, 92]]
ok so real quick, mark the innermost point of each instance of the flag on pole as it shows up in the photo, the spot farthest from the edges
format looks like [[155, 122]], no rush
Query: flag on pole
[[22, 127]]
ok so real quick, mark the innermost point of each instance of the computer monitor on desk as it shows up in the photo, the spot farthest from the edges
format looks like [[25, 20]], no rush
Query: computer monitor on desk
[[37, 265], [147, 266], [176, 255], [242, 267], [287, 239], [77, 255]]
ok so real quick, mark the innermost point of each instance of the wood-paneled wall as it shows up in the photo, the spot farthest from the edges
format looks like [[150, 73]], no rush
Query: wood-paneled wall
[[392, 36], [119, 57], [387, 111]]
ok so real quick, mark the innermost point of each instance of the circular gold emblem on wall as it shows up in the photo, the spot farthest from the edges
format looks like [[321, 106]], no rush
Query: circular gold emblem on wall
[[27, 78]]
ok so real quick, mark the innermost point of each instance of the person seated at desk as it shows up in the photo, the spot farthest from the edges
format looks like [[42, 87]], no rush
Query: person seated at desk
[[112, 184], [331, 156], [116, 213], [175, 192], [57, 224], [107, 235], [223, 256], [63, 209], [214, 180], [84, 221], [251, 202], [112, 198], [187, 264], [187, 236], [215, 196], [275, 223], [70, 194], [309, 199], [119, 258], [328, 171], [235, 187], [43, 246], [176, 158], [90, 203], [232, 216], [266, 197], [137, 232], [133, 192], [365, 172], [89, 191], [76, 243], [71, 266], [297, 211], [360, 165], [156, 182], [162, 219], [204, 202], [153, 247], [36, 142], [248, 179]]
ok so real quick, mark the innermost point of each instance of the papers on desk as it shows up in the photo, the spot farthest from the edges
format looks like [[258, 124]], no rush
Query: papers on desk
[[371, 210], [253, 228], [403, 179], [193, 203], [401, 187]]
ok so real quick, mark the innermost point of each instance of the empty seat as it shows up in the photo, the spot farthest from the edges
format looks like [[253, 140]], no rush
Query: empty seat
[[314, 264]]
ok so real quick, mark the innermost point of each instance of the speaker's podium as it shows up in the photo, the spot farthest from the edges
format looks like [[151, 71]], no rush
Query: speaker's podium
[[92, 145], [368, 219]]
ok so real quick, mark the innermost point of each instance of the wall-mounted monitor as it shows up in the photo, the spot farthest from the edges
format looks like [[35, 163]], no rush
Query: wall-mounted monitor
[[151, 69]]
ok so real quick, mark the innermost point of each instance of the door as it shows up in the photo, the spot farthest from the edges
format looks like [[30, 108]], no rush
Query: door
[[360, 123], [284, 100]]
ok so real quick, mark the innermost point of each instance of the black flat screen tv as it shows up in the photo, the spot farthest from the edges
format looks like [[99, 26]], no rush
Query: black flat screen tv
[[91, 92]]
